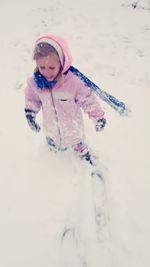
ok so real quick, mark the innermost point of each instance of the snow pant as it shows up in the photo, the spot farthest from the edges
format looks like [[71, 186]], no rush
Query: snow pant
[[81, 149]]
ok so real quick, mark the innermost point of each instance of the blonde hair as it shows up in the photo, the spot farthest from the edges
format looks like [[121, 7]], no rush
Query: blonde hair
[[44, 49]]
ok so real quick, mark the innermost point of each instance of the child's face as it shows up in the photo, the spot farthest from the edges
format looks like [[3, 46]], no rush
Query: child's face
[[49, 66]]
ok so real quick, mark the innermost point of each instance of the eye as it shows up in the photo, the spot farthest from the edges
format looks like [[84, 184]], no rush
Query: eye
[[42, 67], [51, 68]]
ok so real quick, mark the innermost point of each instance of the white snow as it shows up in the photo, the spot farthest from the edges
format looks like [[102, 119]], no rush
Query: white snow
[[42, 193]]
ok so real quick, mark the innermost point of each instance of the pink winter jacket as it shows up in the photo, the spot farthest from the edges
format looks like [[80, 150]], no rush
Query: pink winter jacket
[[62, 106]]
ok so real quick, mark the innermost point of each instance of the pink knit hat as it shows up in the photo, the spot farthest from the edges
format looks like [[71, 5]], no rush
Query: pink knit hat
[[61, 47]]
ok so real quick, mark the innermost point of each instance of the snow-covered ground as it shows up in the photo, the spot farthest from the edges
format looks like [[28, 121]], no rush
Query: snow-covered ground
[[41, 193]]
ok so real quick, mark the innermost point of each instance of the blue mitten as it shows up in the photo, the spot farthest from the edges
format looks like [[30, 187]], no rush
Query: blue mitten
[[100, 124], [30, 116]]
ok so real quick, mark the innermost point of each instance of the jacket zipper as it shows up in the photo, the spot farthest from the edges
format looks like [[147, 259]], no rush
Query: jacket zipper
[[56, 115]]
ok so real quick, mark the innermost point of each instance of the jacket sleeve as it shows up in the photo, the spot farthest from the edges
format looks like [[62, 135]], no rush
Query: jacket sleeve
[[32, 100], [88, 101]]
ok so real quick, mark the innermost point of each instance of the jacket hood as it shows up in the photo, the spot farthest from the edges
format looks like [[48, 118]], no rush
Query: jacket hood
[[61, 47]]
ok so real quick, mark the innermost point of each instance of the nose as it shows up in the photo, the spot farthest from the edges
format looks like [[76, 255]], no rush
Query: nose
[[47, 72]]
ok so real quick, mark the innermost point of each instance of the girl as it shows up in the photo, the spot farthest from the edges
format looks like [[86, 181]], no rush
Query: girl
[[61, 95]]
